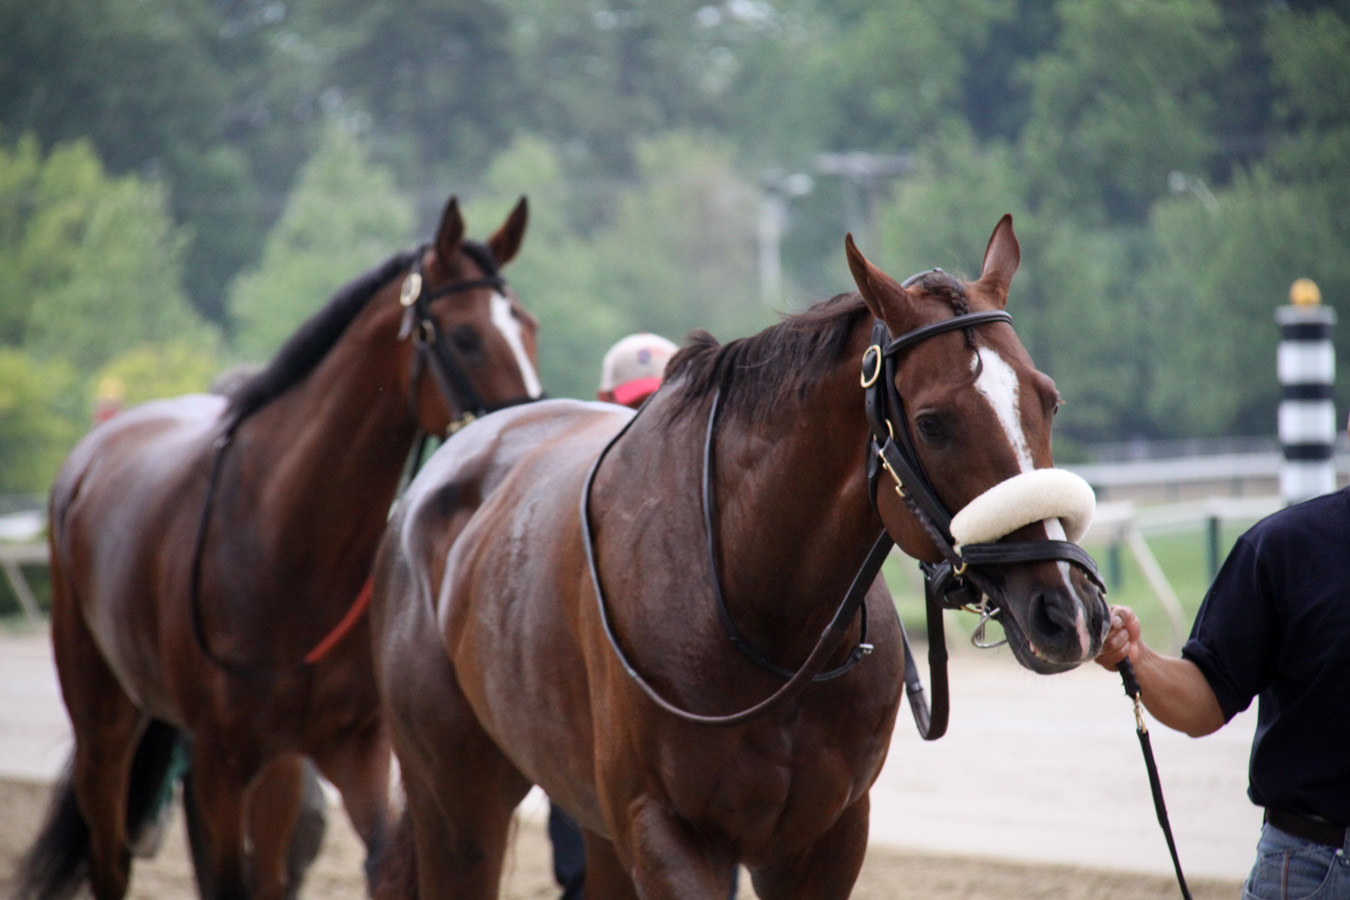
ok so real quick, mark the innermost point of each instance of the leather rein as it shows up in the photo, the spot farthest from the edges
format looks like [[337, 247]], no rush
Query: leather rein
[[433, 352], [950, 584]]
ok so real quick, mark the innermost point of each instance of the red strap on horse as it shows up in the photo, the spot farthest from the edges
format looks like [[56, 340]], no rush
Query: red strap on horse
[[340, 630]]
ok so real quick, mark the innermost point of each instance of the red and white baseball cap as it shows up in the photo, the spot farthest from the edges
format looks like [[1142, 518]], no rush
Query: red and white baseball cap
[[633, 367]]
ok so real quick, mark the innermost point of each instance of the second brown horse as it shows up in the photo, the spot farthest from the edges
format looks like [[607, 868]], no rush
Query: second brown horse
[[205, 550]]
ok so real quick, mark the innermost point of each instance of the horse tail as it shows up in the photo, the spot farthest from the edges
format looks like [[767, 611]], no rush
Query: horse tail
[[57, 865], [395, 872], [59, 861], [160, 762]]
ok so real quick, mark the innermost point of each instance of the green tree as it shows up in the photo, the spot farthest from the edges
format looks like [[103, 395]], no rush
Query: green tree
[[343, 209], [40, 419], [1310, 56], [1216, 277], [556, 273], [1120, 103], [93, 264], [147, 84], [897, 70], [436, 82], [152, 371], [680, 252]]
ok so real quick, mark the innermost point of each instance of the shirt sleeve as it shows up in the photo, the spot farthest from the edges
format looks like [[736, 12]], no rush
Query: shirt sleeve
[[1236, 631]]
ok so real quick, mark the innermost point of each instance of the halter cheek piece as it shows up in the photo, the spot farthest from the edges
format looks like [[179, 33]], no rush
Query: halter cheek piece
[[433, 351]]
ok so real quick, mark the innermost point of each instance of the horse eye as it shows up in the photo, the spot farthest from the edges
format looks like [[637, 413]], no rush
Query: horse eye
[[931, 428], [466, 339]]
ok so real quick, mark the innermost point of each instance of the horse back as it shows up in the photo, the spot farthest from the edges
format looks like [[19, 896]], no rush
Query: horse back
[[485, 552], [121, 524]]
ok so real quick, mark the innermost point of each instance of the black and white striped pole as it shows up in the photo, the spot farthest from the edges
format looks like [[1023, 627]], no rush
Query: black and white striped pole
[[1307, 370]]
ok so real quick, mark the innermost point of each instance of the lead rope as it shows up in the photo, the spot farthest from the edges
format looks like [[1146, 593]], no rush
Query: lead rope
[[1126, 669]]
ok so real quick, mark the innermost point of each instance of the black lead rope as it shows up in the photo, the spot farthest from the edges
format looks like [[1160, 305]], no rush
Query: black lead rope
[[1132, 691]]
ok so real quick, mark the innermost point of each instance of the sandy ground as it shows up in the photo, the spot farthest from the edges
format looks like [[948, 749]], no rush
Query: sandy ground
[[887, 874], [1034, 773]]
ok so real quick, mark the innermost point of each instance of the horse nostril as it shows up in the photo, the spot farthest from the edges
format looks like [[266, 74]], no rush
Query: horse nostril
[[1053, 615]]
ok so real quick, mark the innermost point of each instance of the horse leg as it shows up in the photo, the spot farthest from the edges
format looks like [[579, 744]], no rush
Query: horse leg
[[670, 860], [215, 797], [358, 766], [107, 728], [606, 875], [273, 810], [461, 790], [828, 869], [462, 824]]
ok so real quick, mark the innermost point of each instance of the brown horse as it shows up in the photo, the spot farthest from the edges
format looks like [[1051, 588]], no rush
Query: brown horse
[[208, 556], [555, 605]]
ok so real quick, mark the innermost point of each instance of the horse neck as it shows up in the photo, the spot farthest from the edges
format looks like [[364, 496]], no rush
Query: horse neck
[[326, 456], [794, 519]]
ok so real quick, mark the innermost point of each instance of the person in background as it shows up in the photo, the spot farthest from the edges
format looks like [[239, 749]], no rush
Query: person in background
[[633, 369], [631, 372], [1275, 626]]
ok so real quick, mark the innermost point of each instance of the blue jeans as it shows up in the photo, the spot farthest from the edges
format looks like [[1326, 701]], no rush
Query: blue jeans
[[1290, 868]]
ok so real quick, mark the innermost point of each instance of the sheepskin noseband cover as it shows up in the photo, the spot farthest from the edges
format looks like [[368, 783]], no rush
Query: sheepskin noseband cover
[[1023, 499]]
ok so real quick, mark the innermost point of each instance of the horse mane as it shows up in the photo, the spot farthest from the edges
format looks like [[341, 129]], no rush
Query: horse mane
[[311, 341], [757, 374]]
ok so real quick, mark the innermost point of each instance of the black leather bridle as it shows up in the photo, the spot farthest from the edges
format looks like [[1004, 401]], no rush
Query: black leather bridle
[[434, 352], [956, 581]]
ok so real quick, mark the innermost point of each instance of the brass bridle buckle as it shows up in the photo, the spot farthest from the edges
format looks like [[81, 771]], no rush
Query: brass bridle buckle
[[875, 352], [412, 289]]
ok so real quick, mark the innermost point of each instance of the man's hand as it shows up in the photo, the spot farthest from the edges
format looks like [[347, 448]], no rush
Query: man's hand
[[1122, 640]]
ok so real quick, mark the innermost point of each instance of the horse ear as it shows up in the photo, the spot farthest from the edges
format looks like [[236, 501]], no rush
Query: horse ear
[[505, 242], [885, 297], [1000, 260], [450, 233]]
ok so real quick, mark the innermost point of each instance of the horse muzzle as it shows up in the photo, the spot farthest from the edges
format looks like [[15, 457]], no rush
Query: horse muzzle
[[1051, 606]]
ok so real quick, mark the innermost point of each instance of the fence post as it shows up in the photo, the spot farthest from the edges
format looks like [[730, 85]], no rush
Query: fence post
[[1306, 365]]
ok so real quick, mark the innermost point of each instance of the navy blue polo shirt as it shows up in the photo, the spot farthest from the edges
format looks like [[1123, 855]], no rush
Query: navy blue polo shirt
[[1276, 625]]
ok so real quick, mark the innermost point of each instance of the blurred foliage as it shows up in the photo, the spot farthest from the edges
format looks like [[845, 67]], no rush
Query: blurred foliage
[[343, 215], [1171, 165], [40, 419]]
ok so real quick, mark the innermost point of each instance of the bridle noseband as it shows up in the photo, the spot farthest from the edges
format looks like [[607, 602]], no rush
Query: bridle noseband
[[433, 351]]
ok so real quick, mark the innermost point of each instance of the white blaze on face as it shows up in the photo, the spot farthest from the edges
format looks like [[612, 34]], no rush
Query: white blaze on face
[[998, 384], [511, 330]]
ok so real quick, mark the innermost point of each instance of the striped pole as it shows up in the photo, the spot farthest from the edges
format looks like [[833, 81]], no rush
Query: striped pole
[[1307, 370]]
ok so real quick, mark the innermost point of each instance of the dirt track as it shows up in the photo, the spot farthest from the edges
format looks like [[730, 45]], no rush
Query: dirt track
[[1033, 773], [887, 875]]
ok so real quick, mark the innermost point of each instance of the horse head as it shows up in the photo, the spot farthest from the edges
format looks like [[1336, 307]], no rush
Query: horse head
[[473, 345], [966, 429]]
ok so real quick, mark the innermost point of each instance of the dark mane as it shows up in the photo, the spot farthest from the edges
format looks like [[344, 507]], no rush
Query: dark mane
[[758, 374], [311, 342]]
